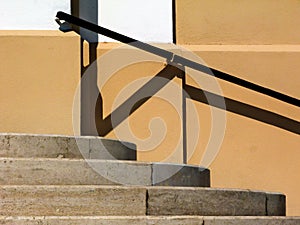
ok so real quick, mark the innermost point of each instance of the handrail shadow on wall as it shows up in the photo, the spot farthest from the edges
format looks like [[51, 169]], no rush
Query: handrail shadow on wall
[[104, 125]]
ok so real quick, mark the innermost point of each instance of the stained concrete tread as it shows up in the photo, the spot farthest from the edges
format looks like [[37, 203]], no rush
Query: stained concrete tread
[[53, 146], [131, 201], [41, 171], [150, 220]]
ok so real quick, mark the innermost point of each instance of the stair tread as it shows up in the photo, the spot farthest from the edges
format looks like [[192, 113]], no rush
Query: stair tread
[[179, 220]]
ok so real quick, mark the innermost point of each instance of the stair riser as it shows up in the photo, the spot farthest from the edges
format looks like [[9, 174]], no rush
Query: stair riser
[[69, 172], [209, 203], [72, 201], [124, 201], [97, 172], [45, 146]]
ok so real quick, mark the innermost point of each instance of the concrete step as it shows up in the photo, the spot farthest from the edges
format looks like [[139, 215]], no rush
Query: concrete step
[[251, 220], [53, 146], [136, 201], [150, 220], [41, 171]]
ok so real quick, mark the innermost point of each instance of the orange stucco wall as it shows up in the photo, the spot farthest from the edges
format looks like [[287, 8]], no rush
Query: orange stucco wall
[[39, 74], [238, 22]]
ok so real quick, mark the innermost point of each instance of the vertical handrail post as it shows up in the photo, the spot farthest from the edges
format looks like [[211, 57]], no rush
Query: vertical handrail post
[[184, 118]]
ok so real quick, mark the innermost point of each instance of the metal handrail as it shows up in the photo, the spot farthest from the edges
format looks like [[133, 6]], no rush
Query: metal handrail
[[176, 59]]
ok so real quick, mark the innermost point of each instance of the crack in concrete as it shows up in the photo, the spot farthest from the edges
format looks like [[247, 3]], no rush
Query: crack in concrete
[[8, 141], [147, 203], [266, 206], [203, 221], [152, 176]]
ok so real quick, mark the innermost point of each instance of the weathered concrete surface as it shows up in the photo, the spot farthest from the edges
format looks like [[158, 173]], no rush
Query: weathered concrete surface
[[251, 220], [148, 220], [20, 171], [179, 175], [276, 204], [41, 171], [205, 202], [72, 201], [53, 146], [129, 201], [107, 220]]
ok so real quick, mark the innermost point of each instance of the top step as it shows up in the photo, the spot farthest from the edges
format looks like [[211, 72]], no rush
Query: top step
[[58, 146]]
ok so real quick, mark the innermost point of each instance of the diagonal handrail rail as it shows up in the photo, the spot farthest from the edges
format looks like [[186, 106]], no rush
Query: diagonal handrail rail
[[176, 59]]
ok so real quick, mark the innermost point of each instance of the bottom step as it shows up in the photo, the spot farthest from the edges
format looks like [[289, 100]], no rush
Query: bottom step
[[97, 200], [174, 220]]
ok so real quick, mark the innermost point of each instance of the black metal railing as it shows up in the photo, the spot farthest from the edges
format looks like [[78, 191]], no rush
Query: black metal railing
[[105, 124], [176, 59]]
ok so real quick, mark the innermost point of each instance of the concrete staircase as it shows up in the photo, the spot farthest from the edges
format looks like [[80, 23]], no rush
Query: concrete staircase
[[87, 180]]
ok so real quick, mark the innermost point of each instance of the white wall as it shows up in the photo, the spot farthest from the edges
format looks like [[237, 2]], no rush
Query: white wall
[[146, 20], [31, 14]]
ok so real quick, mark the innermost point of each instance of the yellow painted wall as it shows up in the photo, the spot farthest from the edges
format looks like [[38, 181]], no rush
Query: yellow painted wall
[[238, 22], [39, 72]]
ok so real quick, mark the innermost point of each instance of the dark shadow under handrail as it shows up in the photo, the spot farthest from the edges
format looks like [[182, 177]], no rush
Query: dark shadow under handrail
[[105, 126], [243, 109], [175, 59]]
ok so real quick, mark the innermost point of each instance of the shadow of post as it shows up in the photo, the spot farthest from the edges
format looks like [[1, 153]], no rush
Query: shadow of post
[[135, 101], [88, 10]]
